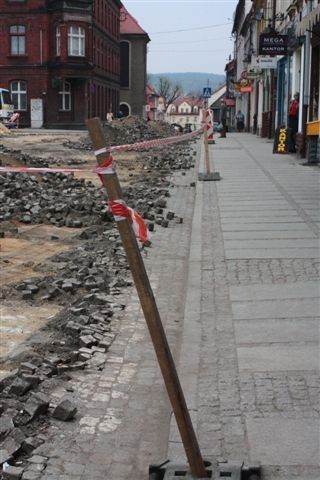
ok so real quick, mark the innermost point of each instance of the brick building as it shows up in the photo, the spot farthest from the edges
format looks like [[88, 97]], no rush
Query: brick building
[[60, 59]]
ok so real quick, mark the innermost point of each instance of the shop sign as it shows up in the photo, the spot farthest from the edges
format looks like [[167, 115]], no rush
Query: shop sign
[[263, 62], [273, 44], [230, 102], [246, 89], [237, 85], [282, 140], [254, 73]]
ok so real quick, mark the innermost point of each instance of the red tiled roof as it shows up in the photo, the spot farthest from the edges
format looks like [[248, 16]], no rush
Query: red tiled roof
[[192, 101], [128, 24], [151, 91]]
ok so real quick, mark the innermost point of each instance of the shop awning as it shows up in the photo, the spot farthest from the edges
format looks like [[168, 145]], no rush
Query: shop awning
[[308, 22]]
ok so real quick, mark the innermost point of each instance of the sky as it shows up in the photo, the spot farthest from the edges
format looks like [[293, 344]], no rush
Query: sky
[[203, 43]]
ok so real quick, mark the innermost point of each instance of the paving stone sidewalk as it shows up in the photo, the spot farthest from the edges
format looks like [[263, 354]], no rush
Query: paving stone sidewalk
[[257, 380], [123, 420], [236, 286]]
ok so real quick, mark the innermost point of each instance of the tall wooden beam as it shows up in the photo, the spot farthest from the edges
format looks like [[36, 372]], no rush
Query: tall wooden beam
[[150, 310]]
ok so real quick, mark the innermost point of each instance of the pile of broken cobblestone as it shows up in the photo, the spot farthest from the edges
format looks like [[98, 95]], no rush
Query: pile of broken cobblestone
[[127, 131], [88, 281]]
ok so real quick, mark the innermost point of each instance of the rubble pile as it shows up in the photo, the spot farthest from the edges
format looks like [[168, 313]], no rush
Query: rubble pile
[[62, 200], [88, 281], [126, 131]]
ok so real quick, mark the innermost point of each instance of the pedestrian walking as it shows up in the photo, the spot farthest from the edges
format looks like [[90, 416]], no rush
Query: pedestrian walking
[[223, 119], [109, 117], [240, 121], [294, 118]]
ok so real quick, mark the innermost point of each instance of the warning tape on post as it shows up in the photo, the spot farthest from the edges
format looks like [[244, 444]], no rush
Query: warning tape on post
[[157, 142]]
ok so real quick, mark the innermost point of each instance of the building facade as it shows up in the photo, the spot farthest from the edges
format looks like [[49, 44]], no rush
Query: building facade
[[60, 59], [133, 72], [277, 56], [186, 112]]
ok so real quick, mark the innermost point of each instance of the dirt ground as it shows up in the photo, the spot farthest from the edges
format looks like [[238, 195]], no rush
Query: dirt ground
[[51, 146], [30, 246]]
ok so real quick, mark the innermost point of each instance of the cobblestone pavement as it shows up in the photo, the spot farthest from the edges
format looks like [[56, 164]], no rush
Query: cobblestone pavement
[[236, 289]]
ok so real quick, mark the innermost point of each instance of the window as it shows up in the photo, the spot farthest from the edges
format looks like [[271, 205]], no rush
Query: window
[[58, 41], [18, 39], [65, 97], [195, 109], [19, 94], [76, 37]]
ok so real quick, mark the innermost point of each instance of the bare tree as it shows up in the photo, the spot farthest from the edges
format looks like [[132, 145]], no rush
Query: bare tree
[[168, 90]]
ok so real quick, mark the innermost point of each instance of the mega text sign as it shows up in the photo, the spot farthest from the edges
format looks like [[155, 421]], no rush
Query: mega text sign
[[273, 44]]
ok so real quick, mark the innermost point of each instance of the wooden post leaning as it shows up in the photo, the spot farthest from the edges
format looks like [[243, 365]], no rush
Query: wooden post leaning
[[150, 310]]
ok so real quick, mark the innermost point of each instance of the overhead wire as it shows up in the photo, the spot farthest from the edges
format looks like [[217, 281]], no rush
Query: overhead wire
[[192, 28], [194, 41], [186, 51]]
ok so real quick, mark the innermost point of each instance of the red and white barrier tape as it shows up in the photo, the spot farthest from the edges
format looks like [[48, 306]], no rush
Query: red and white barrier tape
[[109, 166], [121, 211], [104, 169], [157, 142]]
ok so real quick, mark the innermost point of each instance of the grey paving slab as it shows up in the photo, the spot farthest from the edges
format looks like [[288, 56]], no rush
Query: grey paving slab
[[284, 357], [255, 226], [268, 234], [254, 209], [284, 308], [257, 215], [272, 253], [227, 198], [284, 441], [265, 219], [271, 292], [273, 243], [277, 331]]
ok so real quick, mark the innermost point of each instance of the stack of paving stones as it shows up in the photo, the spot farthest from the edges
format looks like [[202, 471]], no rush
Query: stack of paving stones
[[88, 281], [53, 198]]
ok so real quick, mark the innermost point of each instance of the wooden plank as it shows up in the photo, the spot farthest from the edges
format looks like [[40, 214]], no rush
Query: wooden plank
[[151, 313]]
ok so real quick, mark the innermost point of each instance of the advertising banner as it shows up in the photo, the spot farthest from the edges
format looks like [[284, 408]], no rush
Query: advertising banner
[[283, 140], [273, 44]]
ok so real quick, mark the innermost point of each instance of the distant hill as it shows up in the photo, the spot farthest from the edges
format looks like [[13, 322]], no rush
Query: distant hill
[[191, 82]]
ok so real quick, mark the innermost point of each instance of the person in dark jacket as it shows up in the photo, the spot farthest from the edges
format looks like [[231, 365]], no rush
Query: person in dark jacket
[[223, 119], [294, 117]]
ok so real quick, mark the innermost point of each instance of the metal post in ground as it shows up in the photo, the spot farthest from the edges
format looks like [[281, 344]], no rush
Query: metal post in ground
[[112, 186]]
